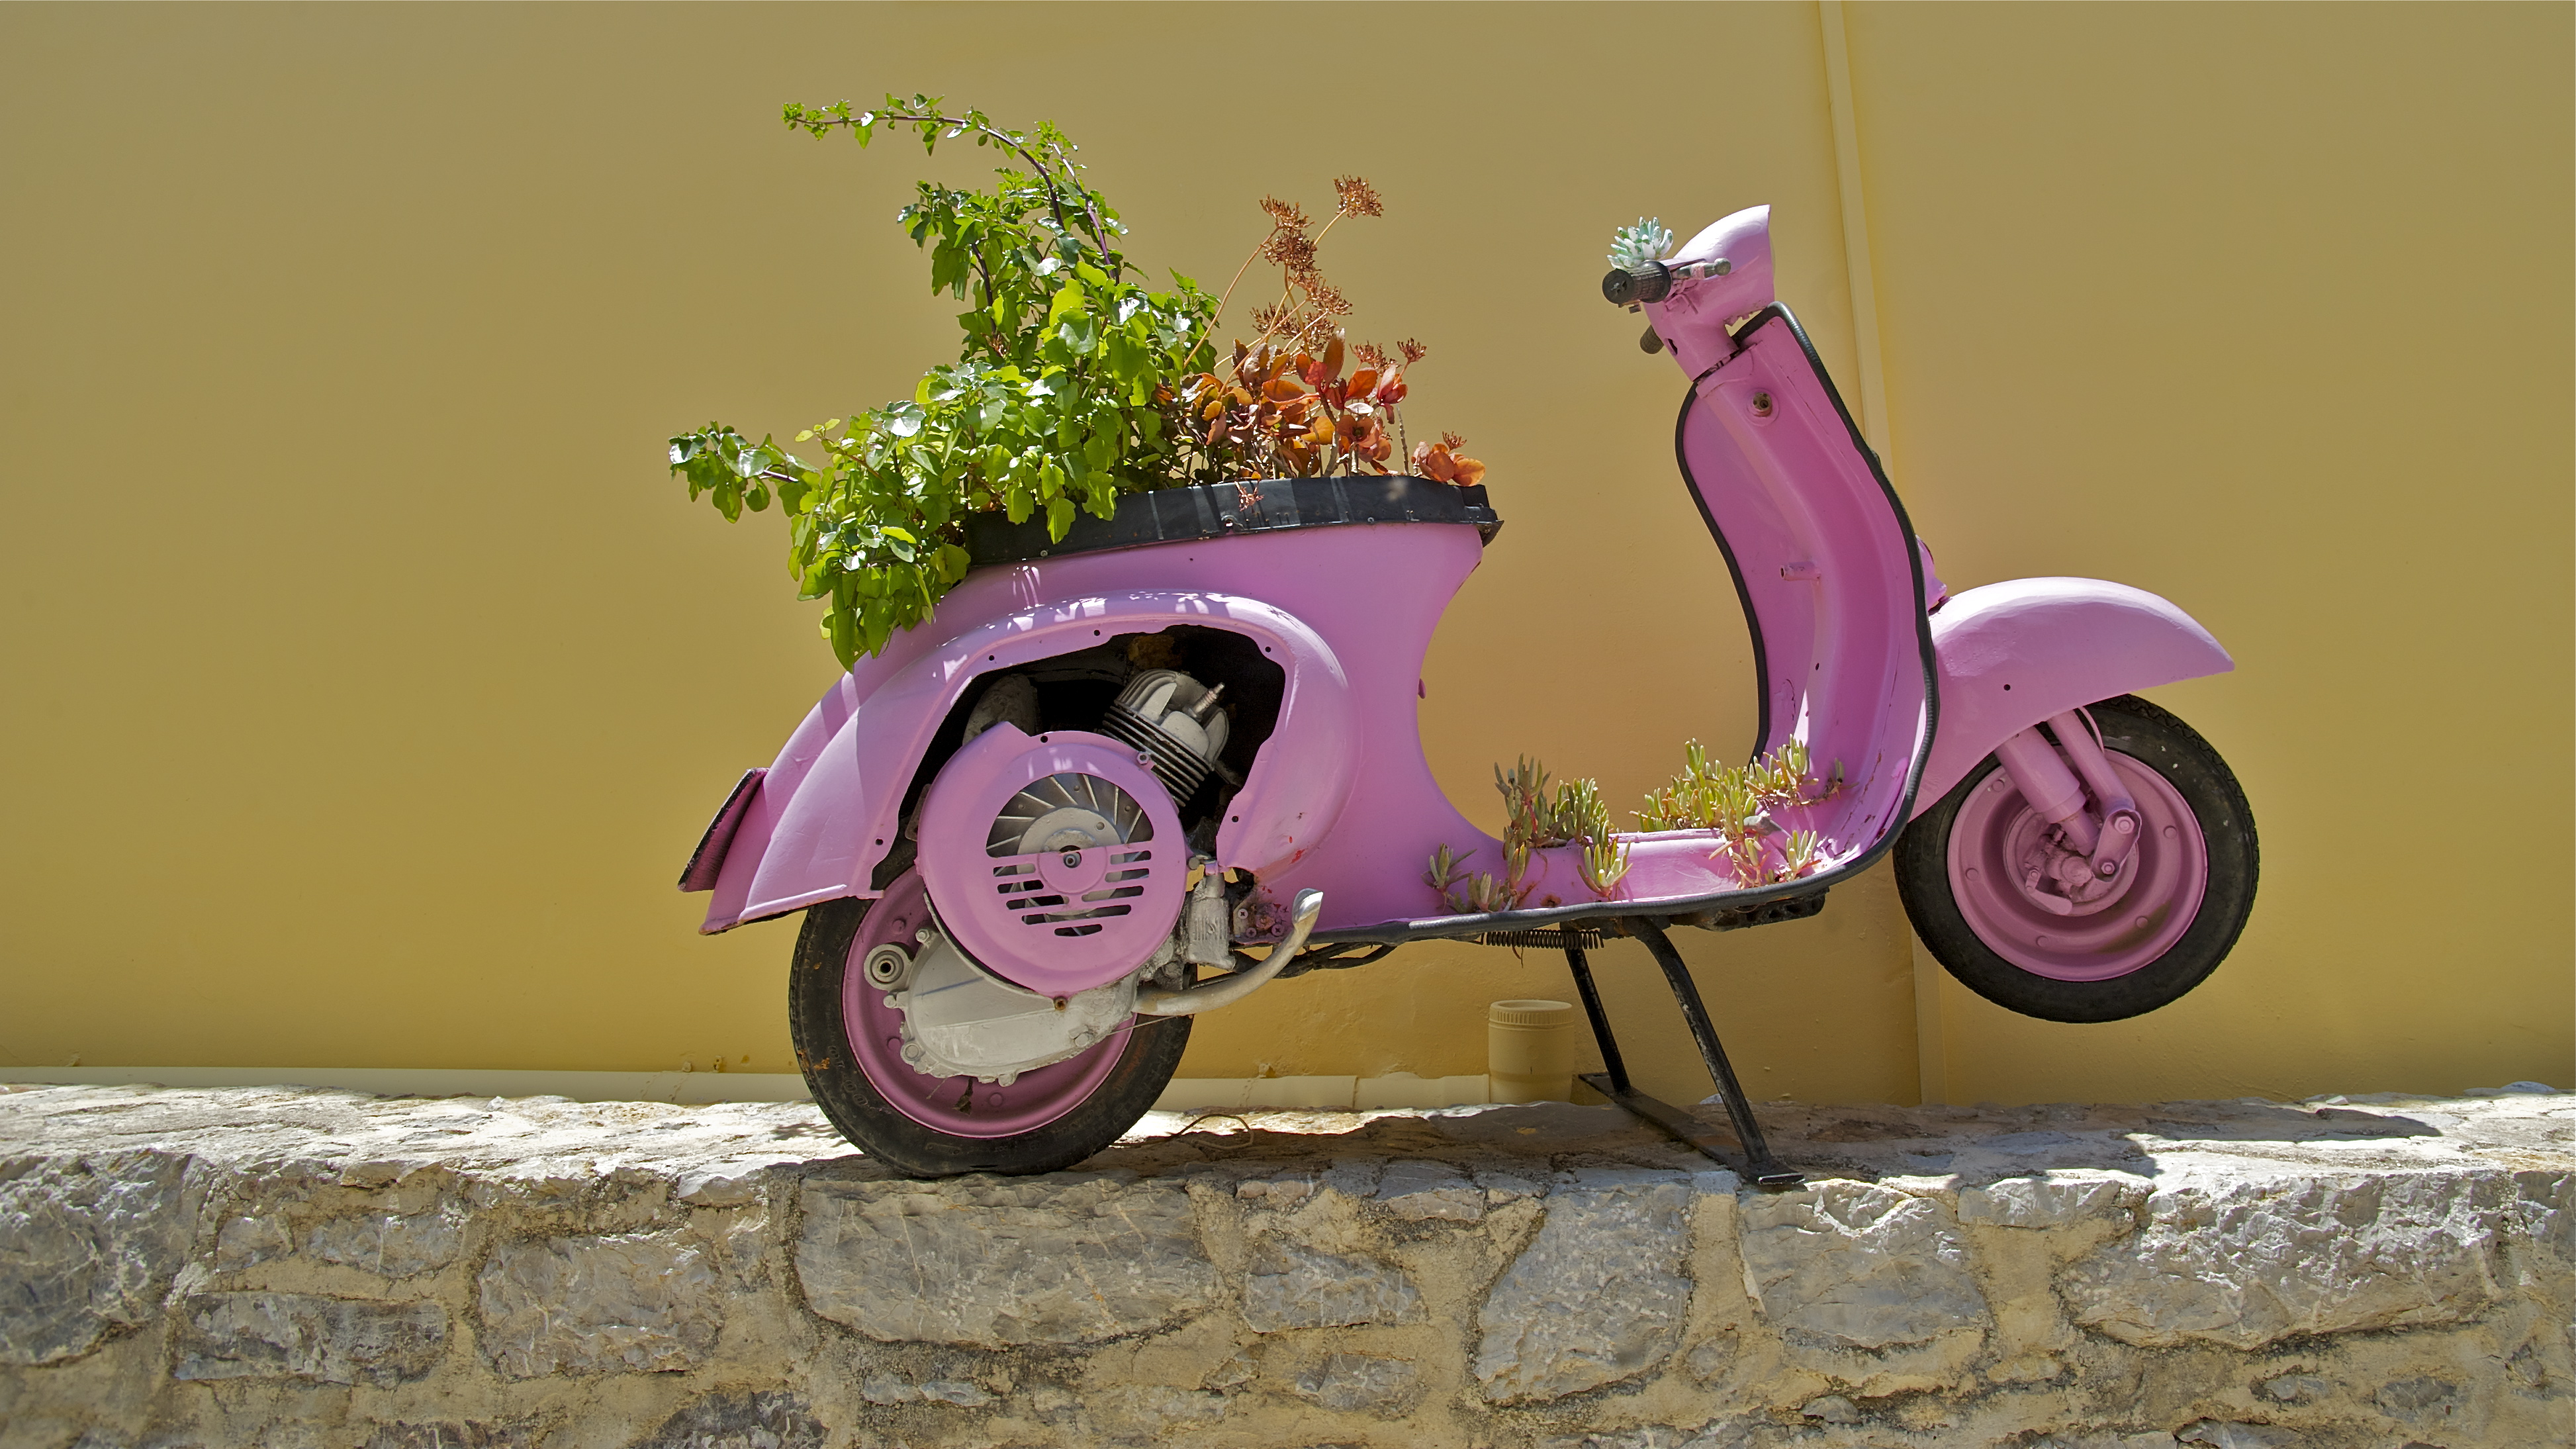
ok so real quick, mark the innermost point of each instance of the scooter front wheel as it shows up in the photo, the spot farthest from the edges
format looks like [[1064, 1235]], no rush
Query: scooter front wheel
[[849, 1045], [1970, 871]]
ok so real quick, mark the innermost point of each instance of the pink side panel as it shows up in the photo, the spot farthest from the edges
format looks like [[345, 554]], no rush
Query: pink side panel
[[1375, 590], [1377, 595], [1828, 567], [752, 840], [2014, 653]]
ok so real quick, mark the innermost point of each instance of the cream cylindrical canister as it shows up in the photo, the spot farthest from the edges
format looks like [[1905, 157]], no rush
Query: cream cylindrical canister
[[1529, 1051]]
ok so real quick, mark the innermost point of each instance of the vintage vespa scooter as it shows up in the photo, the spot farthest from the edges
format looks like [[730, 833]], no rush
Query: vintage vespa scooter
[[1187, 735]]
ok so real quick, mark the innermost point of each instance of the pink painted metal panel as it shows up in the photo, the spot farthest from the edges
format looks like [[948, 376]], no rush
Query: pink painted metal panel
[[1049, 951], [1378, 608], [1374, 590], [756, 836], [1693, 316], [1829, 571], [2014, 653]]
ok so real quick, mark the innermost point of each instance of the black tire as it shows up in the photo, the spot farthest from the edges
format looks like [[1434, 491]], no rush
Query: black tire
[[871, 1123], [2152, 736]]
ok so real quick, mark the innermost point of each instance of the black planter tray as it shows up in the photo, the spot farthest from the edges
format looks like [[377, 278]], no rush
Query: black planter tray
[[1223, 510]]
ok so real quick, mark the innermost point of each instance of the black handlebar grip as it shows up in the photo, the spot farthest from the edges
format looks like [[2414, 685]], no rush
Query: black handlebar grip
[[1644, 282]]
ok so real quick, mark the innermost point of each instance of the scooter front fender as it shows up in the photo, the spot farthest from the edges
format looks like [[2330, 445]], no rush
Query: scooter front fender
[[2014, 653], [817, 834]]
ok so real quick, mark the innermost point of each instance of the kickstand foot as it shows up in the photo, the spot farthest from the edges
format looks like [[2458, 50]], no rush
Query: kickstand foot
[[1760, 1167]]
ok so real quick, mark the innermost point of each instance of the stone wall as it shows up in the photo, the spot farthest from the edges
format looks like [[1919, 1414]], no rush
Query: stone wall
[[297, 1268]]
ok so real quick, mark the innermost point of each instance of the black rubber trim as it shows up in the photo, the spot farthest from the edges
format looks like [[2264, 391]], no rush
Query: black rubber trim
[[707, 861], [1224, 510], [1728, 902]]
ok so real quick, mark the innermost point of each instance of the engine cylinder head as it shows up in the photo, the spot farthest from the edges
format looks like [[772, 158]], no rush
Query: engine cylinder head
[[1175, 722]]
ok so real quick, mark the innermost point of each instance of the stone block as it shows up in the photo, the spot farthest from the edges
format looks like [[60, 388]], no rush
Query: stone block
[[992, 1263], [620, 1303], [394, 1245], [2055, 1201], [2419, 1399], [250, 1240], [752, 1419], [1597, 1296], [2247, 1261], [454, 1434], [1716, 1434], [2544, 1211], [1360, 1383], [1294, 1286], [87, 1246], [300, 1335], [1855, 1265], [1415, 1191], [2227, 1434]]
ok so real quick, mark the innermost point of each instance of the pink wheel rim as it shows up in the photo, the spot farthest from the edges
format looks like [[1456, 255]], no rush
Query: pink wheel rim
[[958, 1106], [1996, 838]]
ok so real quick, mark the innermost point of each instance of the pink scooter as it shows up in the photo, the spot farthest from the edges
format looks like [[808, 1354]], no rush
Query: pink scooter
[[1115, 763]]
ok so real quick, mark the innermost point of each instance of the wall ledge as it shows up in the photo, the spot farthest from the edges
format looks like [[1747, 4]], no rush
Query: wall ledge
[[257, 1265], [1396, 1090]]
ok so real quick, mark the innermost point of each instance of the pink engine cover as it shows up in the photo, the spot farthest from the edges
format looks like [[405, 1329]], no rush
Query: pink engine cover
[[1054, 922]]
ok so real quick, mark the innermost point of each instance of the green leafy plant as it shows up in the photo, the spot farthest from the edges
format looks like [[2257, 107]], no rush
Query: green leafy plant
[[1063, 396], [1075, 381]]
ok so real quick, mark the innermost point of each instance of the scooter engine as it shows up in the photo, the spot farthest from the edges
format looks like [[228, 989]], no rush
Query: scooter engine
[[1056, 862], [1174, 721]]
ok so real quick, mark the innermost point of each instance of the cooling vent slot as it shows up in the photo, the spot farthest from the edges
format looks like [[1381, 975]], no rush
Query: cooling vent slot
[[1039, 905]]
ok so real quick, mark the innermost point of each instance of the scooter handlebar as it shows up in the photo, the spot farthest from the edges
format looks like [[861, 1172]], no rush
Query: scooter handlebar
[[1644, 282]]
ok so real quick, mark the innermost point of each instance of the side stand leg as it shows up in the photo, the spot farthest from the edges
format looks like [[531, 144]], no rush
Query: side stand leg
[[1765, 1170]]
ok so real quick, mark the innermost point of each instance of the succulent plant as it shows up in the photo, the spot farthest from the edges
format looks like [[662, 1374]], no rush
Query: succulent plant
[[1648, 241]]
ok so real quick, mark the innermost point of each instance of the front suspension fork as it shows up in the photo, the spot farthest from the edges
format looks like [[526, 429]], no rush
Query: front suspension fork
[[2057, 793]]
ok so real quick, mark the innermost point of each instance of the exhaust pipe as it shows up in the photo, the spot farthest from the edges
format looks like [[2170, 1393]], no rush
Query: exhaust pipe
[[1191, 1000]]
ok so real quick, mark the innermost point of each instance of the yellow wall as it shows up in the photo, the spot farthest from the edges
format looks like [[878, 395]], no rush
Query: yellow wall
[[366, 681]]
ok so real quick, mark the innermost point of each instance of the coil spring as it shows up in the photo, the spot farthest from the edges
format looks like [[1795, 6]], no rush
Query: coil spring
[[1553, 938]]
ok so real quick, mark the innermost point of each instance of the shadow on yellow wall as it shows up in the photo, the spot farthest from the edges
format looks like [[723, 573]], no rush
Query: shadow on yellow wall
[[368, 681]]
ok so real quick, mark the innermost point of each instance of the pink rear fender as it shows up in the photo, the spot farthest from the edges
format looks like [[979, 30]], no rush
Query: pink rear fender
[[2014, 653], [827, 813]]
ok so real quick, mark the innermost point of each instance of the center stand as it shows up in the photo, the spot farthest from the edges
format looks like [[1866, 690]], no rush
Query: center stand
[[1765, 1170]]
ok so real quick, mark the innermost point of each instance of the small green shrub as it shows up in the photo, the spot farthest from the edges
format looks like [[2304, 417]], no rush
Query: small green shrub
[[1063, 396], [1075, 382]]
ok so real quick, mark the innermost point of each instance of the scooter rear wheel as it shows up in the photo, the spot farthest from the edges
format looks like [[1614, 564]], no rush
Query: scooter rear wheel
[[1049, 1118], [2179, 906]]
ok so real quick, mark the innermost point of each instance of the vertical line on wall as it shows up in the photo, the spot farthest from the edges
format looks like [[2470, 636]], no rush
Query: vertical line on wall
[[1931, 1044], [1931, 1048], [1855, 208]]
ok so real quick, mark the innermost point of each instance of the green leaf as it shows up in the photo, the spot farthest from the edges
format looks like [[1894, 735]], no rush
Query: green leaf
[[1050, 402]]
